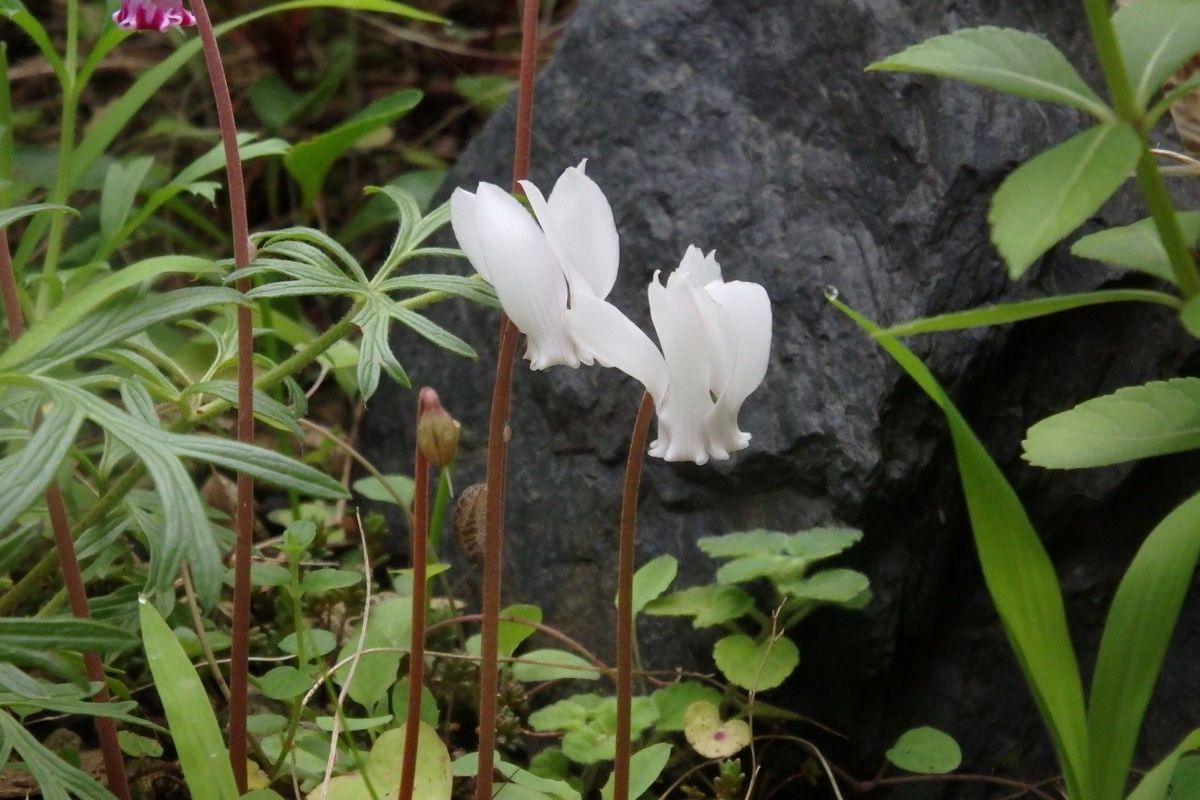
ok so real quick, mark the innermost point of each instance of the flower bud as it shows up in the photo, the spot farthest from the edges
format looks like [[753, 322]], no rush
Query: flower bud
[[437, 431]]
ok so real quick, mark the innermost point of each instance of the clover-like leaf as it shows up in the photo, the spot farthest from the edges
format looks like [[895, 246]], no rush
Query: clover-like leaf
[[709, 736], [756, 666]]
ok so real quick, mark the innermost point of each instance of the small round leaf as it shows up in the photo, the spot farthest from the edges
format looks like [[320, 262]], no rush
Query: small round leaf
[[926, 751]]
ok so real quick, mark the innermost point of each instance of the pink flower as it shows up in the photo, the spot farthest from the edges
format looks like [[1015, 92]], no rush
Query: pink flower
[[153, 15]]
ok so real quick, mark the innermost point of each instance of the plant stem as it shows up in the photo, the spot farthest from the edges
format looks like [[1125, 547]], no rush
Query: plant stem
[[416, 656], [244, 518], [1154, 189], [64, 547], [489, 668], [625, 621], [66, 145]]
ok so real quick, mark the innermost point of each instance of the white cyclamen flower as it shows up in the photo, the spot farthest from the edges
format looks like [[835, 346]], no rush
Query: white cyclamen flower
[[716, 340], [538, 271]]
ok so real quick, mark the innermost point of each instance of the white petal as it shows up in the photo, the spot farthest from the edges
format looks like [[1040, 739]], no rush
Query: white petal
[[701, 269], [578, 222], [463, 207], [687, 404], [748, 308], [600, 330], [521, 266]]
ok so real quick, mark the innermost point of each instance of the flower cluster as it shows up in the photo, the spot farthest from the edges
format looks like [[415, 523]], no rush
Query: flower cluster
[[552, 277], [153, 15]]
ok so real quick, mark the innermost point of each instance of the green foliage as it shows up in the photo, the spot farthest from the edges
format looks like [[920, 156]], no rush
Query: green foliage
[[193, 725], [756, 665], [1136, 422], [926, 751], [1156, 38], [589, 724], [1011, 61], [1137, 246], [381, 777], [644, 768]]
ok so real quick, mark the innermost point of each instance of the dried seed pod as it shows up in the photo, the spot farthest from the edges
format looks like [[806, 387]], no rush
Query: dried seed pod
[[470, 519]]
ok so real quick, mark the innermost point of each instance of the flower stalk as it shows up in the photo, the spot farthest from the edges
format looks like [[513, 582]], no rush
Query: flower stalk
[[427, 405], [244, 517], [625, 562], [64, 546], [497, 456]]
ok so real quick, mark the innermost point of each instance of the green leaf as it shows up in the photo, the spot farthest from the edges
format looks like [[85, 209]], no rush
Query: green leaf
[[375, 351], [673, 701], [926, 751], [429, 707], [709, 736], [1135, 422], [55, 779], [266, 408], [1140, 622], [552, 665], [1028, 309], [432, 779], [11, 215], [468, 766], [390, 625], [710, 605], [265, 465], [396, 485], [309, 161], [285, 683], [488, 92], [844, 586], [25, 475], [512, 634], [1138, 246], [809, 545], [1156, 38], [1018, 572], [317, 642], [117, 198], [472, 288], [1055, 192], [644, 768], [1185, 783], [15, 11], [755, 666], [76, 307], [1003, 59], [63, 634], [652, 579], [202, 754], [352, 724], [320, 581], [137, 746], [1156, 783], [429, 329]]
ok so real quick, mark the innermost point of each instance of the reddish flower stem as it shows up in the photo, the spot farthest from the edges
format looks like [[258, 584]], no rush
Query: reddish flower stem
[[416, 655], [625, 563], [93, 667], [244, 518], [489, 669]]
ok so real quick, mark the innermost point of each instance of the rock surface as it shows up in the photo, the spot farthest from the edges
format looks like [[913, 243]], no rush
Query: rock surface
[[751, 127]]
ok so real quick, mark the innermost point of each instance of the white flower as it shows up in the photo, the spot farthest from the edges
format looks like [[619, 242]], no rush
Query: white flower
[[538, 271], [716, 340]]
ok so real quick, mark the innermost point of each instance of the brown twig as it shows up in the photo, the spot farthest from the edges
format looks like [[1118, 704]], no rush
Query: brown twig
[[416, 658], [244, 518], [106, 729], [489, 671], [625, 561]]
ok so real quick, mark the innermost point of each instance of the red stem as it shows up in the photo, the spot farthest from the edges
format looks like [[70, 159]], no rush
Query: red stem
[[416, 655], [106, 729], [489, 669], [244, 518], [625, 560]]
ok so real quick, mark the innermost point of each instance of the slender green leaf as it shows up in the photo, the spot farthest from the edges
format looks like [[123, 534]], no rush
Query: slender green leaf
[[1156, 38], [117, 198], [63, 634], [1135, 422], [55, 778], [198, 743], [375, 351], [1140, 622], [266, 408], [552, 665], [25, 475], [1028, 309], [429, 329], [1138, 246], [15, 11], [1003, 59], [1053, 193], [309, 161], [10, 215], [471, 288], [1156, 783], [266, 465], [652, 579], [408, 213], [79, 305], [1018, 574]]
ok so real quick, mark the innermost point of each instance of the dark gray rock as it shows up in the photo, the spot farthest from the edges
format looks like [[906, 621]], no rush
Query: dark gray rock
[[750, 127]]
